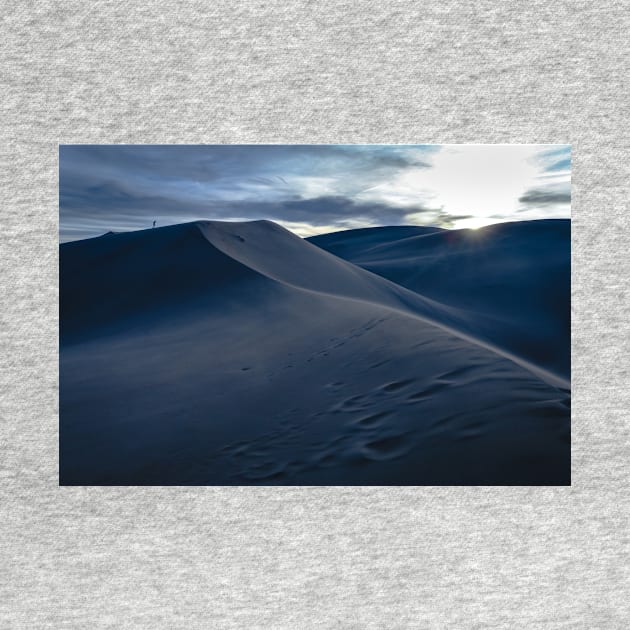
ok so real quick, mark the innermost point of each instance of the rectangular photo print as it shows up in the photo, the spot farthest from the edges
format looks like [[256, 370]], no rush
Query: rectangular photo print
[[315, 315]]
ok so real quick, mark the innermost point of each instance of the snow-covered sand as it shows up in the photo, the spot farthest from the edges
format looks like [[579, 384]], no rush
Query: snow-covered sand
[[239, 353]]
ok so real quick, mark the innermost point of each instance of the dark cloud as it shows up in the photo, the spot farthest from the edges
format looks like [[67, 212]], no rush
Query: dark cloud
[[112, 198], [210, 163], [331, 211], [110, 207], [445, 220], [369, 156], [110, 186], [543, 197], [172, 161]]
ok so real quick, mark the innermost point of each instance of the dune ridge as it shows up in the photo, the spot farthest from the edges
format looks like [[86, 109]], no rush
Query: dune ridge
[[313, 270], [510, 283]]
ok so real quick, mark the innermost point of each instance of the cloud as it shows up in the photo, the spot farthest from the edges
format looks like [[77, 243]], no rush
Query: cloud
[[332, 210], [117, 187], [312, 187], [545, 197], [556, 159], [549, 195], [112, 207], [236, 163], [560, 165]]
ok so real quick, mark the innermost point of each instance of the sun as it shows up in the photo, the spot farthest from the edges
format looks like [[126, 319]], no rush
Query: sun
[[474, 223]]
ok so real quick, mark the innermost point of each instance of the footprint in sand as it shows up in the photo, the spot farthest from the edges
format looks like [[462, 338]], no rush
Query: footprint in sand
[[448, 377], [336, 386], [386, 448], [427, 392], [354, 403], [396, 385], [372, 420], [379, 364]]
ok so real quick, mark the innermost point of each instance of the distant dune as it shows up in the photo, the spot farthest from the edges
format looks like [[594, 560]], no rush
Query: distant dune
[[239, 353], [510, 282]]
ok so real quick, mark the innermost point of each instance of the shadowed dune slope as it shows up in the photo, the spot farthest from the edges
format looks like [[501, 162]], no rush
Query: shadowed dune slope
[[110, 282], [238, 353], [510, 282], [117, 281], [347, 243]]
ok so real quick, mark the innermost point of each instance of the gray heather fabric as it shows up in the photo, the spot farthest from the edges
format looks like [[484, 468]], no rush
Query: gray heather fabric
[[327, 72]]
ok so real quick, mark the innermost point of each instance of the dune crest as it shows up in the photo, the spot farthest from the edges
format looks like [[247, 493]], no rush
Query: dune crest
[[277, 253]]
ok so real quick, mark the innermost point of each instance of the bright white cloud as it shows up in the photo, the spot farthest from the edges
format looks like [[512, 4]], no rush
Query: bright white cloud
[[484, 183], [481, 180]]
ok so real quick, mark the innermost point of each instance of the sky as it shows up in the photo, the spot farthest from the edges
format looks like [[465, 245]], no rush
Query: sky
[[309, 189]]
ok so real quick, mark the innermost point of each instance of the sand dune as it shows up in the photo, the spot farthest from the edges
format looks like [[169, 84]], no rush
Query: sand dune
[[238, 353], [510, 282]]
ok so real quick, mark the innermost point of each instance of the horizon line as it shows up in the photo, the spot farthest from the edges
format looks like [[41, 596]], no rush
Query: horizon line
[[352, 229]]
